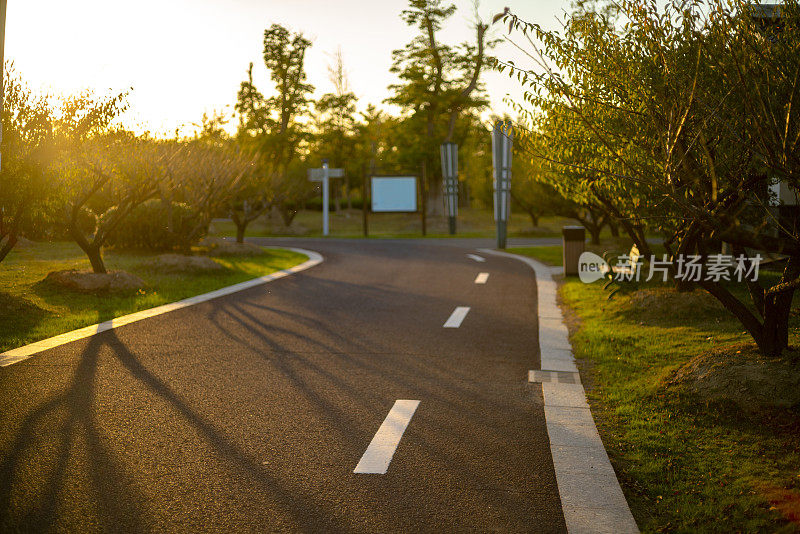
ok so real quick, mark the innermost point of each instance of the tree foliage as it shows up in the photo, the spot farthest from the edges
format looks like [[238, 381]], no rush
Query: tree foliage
[[678, 118]]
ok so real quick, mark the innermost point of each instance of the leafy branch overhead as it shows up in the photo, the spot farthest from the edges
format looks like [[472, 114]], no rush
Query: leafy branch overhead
[[678, 120]]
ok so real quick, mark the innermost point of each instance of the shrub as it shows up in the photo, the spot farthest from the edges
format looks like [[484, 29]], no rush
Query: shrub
[[147, 227]]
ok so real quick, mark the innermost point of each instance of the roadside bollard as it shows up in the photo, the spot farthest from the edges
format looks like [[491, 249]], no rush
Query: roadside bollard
[[573, 246]]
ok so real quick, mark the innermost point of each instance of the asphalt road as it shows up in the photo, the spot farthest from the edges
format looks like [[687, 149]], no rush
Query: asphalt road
[[250, 412]]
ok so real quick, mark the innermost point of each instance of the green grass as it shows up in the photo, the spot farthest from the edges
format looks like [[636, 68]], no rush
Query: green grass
[[31, 310], [471, 222], [550, 255], [684, 467]]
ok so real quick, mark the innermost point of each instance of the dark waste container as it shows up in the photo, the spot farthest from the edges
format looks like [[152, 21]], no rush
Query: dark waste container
[[574, 238]]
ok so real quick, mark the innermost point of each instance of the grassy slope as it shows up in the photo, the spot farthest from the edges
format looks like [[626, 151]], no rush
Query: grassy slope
[[31, 310], [684, 467]]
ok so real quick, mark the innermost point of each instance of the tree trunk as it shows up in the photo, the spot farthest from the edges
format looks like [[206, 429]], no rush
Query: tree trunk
[[613, 227], [534, 219], [93, 249], [777, 307], [594, 233], [96, 259], [771, 335], [241, 226], [287, 214], [737, 308], [7, 246]]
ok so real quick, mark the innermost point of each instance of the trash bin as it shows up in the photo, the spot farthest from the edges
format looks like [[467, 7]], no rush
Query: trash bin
[[574, 244]]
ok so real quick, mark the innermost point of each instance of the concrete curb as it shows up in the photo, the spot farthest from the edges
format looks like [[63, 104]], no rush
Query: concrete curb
[[591, 497], [19, 354]]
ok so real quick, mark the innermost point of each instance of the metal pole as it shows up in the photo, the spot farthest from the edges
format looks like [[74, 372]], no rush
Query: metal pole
[[501, 235], [501, 158], [423, 195], [325, 198], [449, 154], [364, 205]]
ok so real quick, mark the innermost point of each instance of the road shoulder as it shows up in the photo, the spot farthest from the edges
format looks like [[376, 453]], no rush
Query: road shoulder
[[591, 497]]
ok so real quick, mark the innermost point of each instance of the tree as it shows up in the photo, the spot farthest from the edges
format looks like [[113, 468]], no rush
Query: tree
[[337, 123], [101, 182], [209, 175], [269, 127], [28, 150], [684, 117], [438, 82], [242, 184], [556, 189]]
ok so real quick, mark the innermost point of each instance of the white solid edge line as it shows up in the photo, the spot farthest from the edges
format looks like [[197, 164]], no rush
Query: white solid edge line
[[481, 278], [457, 317], [381, 449], [476, 258], [19, 354], [578, 514]]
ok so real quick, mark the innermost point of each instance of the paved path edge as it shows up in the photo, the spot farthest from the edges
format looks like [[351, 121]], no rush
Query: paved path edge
[[24, 352], [591, 497]]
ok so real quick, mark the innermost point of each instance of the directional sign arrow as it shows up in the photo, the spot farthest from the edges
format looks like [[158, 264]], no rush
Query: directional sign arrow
[[317, 175]]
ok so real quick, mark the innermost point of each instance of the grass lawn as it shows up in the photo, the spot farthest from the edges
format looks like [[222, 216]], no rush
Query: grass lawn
[[684, 466], [31, 310], [471, 222], [552, 254]]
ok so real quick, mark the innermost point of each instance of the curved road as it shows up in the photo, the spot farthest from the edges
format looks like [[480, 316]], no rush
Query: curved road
[[250, 412]]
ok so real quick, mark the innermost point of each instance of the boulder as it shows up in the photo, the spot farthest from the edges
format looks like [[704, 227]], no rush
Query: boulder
[[742, 377], [89, 282], [179, 263]]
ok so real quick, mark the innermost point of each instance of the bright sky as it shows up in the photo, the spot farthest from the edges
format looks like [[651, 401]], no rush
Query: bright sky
[[187, 57]]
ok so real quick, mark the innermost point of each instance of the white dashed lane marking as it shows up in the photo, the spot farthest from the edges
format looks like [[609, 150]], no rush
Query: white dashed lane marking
[[378, 456], [457, 317], [481, 278]]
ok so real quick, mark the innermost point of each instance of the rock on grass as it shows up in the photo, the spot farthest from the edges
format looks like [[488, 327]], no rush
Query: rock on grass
[[89, 282], [179, 263]]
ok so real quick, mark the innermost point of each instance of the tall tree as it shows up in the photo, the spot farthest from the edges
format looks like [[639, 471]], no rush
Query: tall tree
[[337, 123], [270, 127], [438, 82]]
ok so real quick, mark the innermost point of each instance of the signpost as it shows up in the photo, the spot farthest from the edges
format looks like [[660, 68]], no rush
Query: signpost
[[323, 175], [449, 152], [502, 141]]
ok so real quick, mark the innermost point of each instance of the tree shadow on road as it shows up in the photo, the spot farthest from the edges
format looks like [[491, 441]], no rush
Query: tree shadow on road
[[36, 471], [273, 332], [61, 471]]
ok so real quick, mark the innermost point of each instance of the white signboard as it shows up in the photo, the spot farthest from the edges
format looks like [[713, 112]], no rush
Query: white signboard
[[394, 193]]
